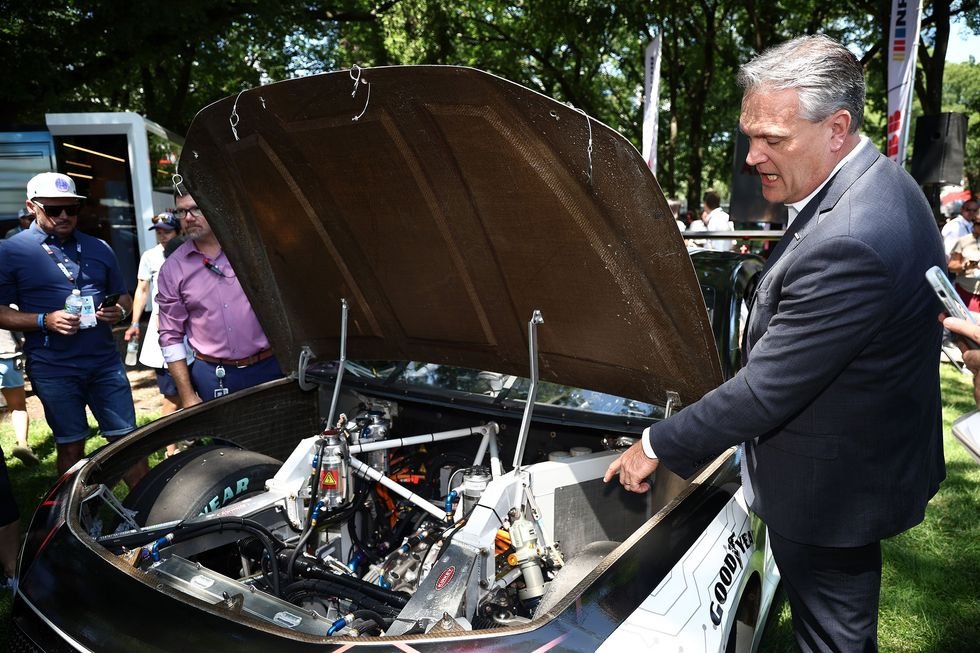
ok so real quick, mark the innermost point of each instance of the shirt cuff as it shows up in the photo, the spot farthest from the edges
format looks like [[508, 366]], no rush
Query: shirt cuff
[[647, 447], [174, 352]]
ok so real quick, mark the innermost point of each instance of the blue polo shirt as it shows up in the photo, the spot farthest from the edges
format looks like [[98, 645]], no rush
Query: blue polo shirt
[[30, 278]]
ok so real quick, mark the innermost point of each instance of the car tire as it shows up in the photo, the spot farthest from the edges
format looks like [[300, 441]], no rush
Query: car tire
[[197, 481]]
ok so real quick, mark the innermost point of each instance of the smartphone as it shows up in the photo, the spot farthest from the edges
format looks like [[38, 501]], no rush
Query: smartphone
[[951, 301], [110, 300]]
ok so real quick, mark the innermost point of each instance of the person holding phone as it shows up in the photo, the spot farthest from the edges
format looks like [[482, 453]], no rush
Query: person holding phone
[[70, 368], [166, 228], [837, 406]]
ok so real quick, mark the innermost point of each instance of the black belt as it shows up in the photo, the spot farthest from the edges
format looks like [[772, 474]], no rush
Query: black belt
[[238, 362]]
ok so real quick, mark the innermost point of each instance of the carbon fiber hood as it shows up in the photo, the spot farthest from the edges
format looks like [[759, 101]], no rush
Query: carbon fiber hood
[[445, 205]]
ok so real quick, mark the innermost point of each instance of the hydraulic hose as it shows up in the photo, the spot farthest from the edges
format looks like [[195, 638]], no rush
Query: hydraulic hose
[[308, 569]]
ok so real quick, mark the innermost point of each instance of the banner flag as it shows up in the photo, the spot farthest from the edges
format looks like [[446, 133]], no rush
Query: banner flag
[[902, 44], [651, 102]]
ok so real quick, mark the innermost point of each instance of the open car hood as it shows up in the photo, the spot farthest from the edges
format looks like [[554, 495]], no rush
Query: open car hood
[[445, 205]]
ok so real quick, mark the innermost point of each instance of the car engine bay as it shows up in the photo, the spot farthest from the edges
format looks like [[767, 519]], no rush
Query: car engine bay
[[363, 531]]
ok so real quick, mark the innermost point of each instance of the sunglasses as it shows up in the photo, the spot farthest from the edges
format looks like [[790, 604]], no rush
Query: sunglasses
[[194, 211], [54, 211], [165, 219]]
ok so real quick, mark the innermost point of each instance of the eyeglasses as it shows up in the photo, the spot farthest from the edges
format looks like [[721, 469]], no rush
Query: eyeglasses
[[53, 211], [194, 211]]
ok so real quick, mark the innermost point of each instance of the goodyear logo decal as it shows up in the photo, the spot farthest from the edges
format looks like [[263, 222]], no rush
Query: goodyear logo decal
[[739, 548]]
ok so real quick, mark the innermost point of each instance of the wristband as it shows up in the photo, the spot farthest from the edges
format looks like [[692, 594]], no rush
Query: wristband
[[41, 317]]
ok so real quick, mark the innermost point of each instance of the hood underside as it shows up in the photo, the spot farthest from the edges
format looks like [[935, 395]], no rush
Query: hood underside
[[445, 205]]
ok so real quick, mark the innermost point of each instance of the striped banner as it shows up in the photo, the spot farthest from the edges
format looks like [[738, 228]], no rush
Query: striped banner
[[902, 42]]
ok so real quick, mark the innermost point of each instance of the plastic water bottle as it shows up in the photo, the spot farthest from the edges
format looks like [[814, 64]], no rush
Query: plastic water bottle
[[73, 303], [132, 349]]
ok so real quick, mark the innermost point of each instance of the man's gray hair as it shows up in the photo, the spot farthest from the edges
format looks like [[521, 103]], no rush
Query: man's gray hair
[[826, 75]]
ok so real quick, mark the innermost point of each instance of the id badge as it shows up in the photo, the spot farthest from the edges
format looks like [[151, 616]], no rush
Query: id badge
[[87, 317], [220, 392]]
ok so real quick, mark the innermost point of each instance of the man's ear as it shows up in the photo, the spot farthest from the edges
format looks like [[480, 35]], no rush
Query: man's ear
[[840, 126]]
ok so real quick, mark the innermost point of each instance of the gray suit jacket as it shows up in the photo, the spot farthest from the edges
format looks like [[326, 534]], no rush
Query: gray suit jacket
[[838, 402]]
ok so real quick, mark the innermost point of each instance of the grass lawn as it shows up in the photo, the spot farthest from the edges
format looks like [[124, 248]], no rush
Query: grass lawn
[[931, 573]]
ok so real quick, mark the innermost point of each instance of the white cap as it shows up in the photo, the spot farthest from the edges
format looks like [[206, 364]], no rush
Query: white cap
[[52, 184]]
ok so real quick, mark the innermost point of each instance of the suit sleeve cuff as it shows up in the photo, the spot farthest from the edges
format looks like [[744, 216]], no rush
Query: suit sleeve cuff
[[647, 447], [174, 352]]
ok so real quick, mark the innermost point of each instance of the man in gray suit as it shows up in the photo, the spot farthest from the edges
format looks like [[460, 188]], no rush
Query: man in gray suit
[[838, 403]]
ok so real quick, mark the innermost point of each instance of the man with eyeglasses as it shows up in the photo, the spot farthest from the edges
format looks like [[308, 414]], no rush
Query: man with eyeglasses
[[200, 297], [71, 365], [964, 259]]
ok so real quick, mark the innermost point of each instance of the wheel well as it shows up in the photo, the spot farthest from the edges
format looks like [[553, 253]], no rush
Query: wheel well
[[197, 481], [748, 606], [746, 616]]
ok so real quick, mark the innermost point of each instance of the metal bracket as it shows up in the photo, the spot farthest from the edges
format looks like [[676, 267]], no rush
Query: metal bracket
[[305, 356], [532, 394], [110, 500], [341, 363], [673, 403]]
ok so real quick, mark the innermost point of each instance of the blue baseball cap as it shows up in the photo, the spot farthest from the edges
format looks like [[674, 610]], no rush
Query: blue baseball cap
[[165, 220]]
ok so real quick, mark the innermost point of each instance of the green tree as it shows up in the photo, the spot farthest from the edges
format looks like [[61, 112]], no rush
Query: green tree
[[167, 61], [961, 93], [164, 60], [937, 16]]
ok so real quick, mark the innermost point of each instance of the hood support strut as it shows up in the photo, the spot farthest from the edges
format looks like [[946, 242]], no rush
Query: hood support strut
[[532, 394], [341, 363]]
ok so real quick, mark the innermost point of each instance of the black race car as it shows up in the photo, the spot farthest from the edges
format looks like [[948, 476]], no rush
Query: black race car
[[480, 297]]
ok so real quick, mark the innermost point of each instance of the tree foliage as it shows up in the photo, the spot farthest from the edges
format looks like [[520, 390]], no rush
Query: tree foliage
[[962, 95], [167, 61]]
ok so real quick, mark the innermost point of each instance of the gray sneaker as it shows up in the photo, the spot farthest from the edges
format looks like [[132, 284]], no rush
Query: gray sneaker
[[25, 455]]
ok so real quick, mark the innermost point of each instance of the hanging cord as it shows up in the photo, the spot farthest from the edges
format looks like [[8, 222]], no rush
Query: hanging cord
[[355, 74], [233, 119]]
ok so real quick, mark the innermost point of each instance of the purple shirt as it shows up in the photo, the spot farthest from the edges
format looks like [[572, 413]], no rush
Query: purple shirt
[[208, 305]]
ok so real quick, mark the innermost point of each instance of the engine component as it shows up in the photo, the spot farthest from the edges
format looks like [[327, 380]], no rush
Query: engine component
[[475, 480], [374, 425], [524, 538], [336, 487], [401, 569]]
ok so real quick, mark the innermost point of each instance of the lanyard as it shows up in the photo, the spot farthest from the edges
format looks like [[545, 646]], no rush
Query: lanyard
[[61, 264]]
